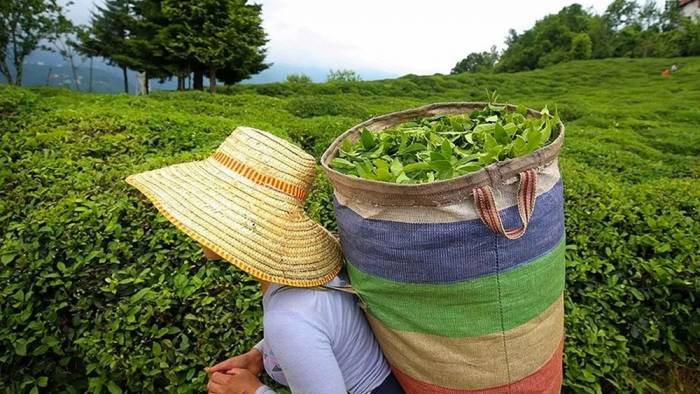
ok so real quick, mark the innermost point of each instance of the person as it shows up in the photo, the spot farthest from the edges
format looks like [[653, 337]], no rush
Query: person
[[244, 204], [315, 341]]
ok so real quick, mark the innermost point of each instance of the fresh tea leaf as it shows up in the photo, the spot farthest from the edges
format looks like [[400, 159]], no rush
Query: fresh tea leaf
[[367, 139], [444, 146]]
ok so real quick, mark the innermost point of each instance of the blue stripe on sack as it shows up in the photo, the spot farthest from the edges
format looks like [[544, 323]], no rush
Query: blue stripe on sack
[[448, 252]]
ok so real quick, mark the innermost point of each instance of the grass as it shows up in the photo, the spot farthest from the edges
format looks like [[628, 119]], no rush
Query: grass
[[75, 236]]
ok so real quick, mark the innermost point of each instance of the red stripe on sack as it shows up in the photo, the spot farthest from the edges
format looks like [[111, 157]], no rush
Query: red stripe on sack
[[515, 232], [258, 177], [477, 204], [532, 192], [486, 214], [488, 200], [546, 380], [522, 195], [488, 211], [522, 199], [525, 202], [493, 212], [528, 192]]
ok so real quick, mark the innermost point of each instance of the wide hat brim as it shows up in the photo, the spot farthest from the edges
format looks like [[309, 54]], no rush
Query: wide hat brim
[[260, 230]]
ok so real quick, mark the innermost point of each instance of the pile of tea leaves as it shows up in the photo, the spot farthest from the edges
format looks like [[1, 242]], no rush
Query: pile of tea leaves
[[445, 146]]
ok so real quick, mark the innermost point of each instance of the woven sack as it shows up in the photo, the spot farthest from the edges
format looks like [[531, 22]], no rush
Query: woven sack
[[462, 278]]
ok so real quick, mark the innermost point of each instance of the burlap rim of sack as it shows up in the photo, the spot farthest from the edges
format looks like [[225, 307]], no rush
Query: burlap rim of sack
[[439, 192]]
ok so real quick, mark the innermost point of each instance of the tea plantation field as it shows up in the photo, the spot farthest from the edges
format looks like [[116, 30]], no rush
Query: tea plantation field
[[98, 293]]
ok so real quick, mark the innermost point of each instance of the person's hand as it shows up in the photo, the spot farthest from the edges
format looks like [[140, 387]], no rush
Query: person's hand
[[251, 361], [236, 381]]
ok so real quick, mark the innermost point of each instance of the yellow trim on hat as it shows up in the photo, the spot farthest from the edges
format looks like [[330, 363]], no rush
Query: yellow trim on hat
[[258, 177]]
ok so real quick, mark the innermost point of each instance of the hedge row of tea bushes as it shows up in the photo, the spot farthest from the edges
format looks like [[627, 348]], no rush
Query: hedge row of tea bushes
[[99, 293]]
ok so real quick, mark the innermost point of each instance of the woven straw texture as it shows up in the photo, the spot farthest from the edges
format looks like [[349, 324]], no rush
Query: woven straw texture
[[456, 306], [245, 202]]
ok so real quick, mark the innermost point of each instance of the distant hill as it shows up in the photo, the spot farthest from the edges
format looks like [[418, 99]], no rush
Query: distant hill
[[108, 79], [278, 72], [105, 78]]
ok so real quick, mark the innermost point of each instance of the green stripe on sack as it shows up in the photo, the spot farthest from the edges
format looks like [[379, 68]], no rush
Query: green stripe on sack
[[469, 308]]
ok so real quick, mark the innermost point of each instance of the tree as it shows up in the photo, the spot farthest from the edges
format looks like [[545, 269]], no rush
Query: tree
[[477, 61], [620, 13], [344, 75], [298, 78], [670, 18], [108, 35], [648, 15], [600, 32], [23, 25], [581, 47], [148, 42], [77, 46], [626, 29], [547, 43], [224, 38], [178, 51], [690, 37], [66, 47]]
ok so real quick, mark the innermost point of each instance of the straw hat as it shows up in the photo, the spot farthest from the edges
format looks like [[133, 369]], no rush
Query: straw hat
[[246, 203]]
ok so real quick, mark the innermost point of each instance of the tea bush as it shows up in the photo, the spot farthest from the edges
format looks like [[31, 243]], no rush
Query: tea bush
[[12, 100], [99, 293], [310, 106]]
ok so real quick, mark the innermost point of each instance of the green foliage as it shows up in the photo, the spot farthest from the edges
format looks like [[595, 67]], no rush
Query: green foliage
[[689, 36], [343, 76], [298, 78], [317, 203], [107, 34], [225, 36], [115, 35], [23, 25], [477, 62], [14, 101], [310, 106], [165, 38], [626, 29], [99, 292], [621, 13], [581, 47], [632, 278], [442, 147]]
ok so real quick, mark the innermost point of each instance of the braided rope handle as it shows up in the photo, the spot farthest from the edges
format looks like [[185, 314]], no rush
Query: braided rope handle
[[486, 207]]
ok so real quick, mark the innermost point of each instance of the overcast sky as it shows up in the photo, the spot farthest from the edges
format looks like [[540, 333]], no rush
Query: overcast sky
[[400, 37]]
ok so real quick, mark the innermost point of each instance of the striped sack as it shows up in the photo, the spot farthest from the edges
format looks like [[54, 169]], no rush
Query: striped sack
[[462, 279]]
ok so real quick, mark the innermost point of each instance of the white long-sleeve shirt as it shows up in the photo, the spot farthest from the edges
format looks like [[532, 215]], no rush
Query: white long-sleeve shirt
[[319, 342]]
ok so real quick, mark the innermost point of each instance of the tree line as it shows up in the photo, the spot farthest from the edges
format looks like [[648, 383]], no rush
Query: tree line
[[625, 29], [26, 25], [222, 40]]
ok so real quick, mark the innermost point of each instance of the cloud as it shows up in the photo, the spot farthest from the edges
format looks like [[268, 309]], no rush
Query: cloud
[[398, 36], [421, 37]]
